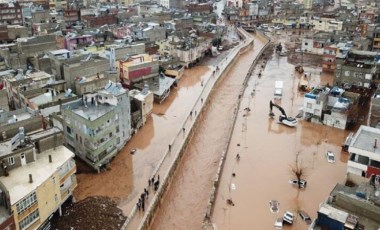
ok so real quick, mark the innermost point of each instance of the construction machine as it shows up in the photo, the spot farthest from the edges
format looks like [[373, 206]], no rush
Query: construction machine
[[283, 119]]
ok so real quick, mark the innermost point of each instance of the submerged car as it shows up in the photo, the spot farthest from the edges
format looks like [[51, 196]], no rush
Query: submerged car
[[302, 182], [288, 217], [305, 217], [278, 224], [330, 157], [274, 206]]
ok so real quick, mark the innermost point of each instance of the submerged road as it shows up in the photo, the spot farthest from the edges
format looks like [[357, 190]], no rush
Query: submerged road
[[185, 202]]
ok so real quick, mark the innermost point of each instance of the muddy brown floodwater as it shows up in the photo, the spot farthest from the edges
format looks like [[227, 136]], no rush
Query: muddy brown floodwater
[[185, 202], [268, 152]]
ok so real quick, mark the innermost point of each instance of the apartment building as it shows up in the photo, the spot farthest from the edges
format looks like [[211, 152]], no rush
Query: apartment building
[[357, 68], [10, 13], [97, 126], [36, 178], [364, 152]]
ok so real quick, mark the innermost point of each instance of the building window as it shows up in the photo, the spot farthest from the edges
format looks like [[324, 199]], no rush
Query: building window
[[26, 203], [117, 129], [309, 105], [318, 102], [68, 129], [53, 179], [30, 219], [11, 161]]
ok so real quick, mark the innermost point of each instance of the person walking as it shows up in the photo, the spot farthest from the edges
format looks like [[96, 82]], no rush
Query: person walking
[[170, 148]]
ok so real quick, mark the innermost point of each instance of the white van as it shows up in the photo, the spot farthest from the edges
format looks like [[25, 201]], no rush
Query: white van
[[278, 86]]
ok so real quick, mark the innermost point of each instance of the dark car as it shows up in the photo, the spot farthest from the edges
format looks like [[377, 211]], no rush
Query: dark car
[[305, 217]]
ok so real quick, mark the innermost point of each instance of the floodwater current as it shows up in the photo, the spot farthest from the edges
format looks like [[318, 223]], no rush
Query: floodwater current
[[186, 200]]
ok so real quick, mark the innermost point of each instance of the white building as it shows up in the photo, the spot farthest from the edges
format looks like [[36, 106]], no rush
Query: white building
[[364, 152], [326, 24]]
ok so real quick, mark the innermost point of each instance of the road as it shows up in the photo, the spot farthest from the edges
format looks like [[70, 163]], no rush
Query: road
[[185, 202], [268, 151]]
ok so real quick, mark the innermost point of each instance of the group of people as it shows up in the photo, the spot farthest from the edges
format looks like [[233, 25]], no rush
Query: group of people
[[145, 195]]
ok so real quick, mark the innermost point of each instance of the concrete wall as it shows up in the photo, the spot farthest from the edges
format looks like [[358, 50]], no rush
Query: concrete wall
[[359, 206], [29, 125], [157, 199]]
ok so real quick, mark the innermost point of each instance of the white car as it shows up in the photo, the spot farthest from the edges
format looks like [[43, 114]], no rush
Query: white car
[[278, 224], [330, 157], [303, 183], [288, 217]]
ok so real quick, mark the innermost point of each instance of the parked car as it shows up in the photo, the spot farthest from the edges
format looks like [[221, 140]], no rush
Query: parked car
[[303, 183], [278, 224], [305, 217], [288, 217], [330, 157]]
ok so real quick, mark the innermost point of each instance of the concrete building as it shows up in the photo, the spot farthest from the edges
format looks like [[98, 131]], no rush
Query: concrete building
[[141, 106], [97, 126], [350, 208], [358, 68], [331, 53], [342, 108], [326, 24], [89, 66], [374, 114], [315, 102], [11, 13], [44, 169], [93, 83], [364, 152], [11, 121]]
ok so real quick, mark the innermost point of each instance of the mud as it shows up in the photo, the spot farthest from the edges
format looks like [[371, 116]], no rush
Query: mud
[[184, 204]]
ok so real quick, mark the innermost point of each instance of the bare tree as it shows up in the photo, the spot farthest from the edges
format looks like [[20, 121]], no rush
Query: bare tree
[[298, 170]]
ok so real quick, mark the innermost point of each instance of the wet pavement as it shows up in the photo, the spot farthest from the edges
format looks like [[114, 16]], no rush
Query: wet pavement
[[267, 154]]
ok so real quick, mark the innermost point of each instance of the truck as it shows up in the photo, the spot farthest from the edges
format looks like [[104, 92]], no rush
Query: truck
[[278, 86]]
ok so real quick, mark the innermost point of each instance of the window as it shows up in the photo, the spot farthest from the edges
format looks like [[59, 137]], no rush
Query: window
[[117, 129], [309, 105], [318, 102], [68, 129], [26, 203], [11, 161], [53, 179], [306, 44], [27, 221]]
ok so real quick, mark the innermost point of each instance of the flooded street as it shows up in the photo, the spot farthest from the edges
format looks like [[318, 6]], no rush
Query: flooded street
[[184, 204], [128, 174], [268, 153]]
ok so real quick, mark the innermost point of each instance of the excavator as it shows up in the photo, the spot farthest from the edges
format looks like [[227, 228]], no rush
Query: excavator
[[283, 119]]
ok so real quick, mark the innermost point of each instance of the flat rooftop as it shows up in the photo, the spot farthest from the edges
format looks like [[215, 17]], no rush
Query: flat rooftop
[[365, 138], [93, 112], [17, 183], [47, 98]]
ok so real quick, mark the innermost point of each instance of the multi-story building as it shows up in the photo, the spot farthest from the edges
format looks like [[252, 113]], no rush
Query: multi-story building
[[10, 13], [98, 125], [364, 152], [141, 106], [329, 58], [350, 208], [357, 68], [326, 24], [315, 102], [37, 176], [374, 119]]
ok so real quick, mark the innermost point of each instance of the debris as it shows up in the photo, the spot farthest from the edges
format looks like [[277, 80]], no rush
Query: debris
[[133, 151], [233, 186]]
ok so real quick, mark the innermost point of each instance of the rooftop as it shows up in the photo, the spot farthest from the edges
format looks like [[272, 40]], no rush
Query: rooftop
[[47, 98], [17, 183], [365, 138], [333, 213], [93, 112]]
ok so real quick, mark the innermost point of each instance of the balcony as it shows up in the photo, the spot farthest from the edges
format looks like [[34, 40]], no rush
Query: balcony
[[93, 152]]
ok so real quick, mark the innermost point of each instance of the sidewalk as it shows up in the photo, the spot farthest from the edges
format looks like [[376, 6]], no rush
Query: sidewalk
[[136, 218]]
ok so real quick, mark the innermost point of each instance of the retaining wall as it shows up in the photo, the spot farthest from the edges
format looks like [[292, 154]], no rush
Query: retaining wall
[[211, 201], [205, 96]]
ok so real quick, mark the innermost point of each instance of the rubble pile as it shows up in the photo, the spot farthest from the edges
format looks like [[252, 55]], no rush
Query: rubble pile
[[90, 213]]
